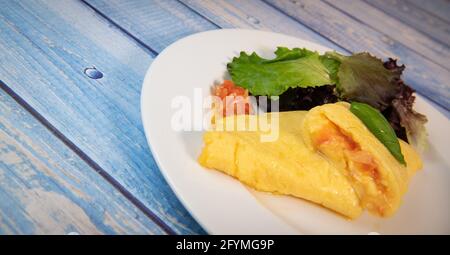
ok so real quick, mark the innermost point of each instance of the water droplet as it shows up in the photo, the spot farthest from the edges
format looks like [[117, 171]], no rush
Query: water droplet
[[93, 73], [253, 20]]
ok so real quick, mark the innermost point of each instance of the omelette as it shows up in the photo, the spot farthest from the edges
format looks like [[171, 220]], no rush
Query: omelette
[[325, 155]]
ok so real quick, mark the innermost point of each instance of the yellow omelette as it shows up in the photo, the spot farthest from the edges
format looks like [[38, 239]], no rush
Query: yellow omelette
[[325, 155]]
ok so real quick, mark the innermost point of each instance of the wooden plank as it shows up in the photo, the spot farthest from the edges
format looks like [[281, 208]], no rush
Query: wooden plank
[[155, 23], [387, 25], [428, 78], [254, 14], [45, 188], [415, 17], [438, 8], [44, 48], [137, 18]]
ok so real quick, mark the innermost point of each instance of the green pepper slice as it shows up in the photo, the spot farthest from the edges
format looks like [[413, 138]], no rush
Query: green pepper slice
[[380, 127]]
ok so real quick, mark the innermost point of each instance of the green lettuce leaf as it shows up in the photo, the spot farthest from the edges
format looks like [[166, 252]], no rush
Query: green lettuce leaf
[[362, 77], [290, 68]]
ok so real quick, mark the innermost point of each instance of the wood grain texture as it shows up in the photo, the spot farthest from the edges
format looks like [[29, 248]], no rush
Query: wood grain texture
[[428, 78], [45, 188], [437, 8], [155, 23], [417, 18], [255, 14], [387, 25], [138, 18], [45, 46]]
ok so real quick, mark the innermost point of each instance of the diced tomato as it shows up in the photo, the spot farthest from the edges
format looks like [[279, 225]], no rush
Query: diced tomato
[[234, 98]]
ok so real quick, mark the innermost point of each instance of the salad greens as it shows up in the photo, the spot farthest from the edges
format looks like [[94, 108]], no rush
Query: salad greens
[[360, 77], [363, 78], [289, 69], [412, 121]]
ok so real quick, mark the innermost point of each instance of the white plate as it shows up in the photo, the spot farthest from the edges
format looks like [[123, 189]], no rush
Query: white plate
[[221, 204]]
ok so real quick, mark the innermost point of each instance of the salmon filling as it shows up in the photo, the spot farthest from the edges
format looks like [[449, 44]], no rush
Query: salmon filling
[[360, 167]]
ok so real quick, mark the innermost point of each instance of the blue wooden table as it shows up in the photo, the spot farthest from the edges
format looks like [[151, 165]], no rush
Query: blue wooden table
[[73, 155]]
